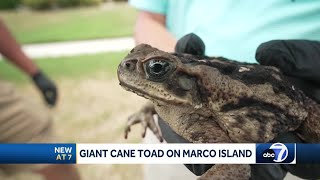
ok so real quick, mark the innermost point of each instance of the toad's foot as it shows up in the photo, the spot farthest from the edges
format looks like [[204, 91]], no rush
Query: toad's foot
[[145, 117]]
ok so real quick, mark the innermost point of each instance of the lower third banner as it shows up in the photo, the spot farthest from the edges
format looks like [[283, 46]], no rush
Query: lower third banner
[[231, 153]]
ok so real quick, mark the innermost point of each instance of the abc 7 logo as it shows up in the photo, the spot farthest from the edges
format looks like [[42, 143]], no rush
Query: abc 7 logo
[[277, 152]]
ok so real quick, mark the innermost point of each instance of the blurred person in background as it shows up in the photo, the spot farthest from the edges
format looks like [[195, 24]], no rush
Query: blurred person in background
[[236, 30], [20, 122]]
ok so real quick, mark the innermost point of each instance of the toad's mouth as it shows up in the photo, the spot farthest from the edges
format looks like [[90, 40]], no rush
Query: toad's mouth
[[159, 99]]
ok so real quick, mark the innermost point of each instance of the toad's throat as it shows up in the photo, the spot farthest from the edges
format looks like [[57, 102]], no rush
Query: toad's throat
[[144, 93]]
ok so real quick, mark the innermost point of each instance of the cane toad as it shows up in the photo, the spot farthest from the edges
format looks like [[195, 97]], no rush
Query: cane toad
[[216, 100]]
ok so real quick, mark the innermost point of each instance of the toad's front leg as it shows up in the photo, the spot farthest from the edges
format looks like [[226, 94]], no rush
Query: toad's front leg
[[227, 171], [145, 117]]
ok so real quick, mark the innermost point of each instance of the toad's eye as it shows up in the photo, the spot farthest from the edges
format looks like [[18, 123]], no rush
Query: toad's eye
[[157, 69]]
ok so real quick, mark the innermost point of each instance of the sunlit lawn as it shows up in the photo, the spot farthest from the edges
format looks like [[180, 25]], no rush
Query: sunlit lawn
[[106, 21], [75, 67]]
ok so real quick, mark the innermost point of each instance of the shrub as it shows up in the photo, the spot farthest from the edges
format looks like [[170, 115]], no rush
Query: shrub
[[71, 3], [39, 4], [46, 4], [89, 2], [68, 3], [9, 4]]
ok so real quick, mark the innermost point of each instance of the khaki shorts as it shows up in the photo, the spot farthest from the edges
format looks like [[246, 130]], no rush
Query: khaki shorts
[[21, 122]]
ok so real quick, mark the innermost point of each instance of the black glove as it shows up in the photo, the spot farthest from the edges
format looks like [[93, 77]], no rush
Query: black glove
[[47, 87], [300, 60], [190, 44]]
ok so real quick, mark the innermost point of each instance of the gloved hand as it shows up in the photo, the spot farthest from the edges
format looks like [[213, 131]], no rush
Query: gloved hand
[[47, 88], [300, 60], [190, 44]]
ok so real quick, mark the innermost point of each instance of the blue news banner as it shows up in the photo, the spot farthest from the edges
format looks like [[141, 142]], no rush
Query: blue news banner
[[37, 153], [165, 153]]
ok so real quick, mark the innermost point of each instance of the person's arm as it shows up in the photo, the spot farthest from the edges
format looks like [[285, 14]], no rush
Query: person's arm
[[151, 29], [12, 51]]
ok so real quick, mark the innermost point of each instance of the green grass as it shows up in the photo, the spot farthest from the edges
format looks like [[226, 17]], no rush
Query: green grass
[[74, 67], [71, 24]]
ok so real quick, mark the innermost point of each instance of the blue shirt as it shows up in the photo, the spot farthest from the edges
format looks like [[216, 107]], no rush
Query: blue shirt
[[234, 28]]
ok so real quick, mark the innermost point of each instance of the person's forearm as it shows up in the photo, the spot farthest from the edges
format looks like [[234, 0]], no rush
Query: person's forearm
[[12, 51], [152, 31]]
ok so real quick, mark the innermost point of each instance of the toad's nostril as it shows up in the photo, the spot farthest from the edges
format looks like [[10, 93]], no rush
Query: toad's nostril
[[128, 65]]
